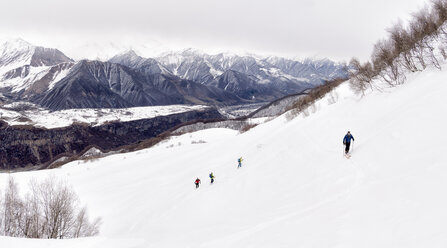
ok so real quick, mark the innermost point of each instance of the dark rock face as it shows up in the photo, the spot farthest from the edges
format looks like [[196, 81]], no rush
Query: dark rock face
[[22, 72], [187, 90], [246, 87], [37, 147], [41, 85], [192, 93], [37, 86], [95, 84]]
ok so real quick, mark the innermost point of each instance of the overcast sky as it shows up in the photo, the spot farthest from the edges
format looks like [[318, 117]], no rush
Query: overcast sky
[[337, 29]]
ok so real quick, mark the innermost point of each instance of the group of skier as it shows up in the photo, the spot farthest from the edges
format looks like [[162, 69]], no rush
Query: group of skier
[[346, 142], [197, 181]]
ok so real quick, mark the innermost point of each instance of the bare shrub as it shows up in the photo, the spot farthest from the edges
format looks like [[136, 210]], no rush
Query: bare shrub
[[385, 64], [407, 49], [306, 113], [313, 108], [402, 44], [362, 77], [51, 211], [11, 210], [198, 142], [315, 94], [333, 97], [83, 228], [443, 52], [247, 127]]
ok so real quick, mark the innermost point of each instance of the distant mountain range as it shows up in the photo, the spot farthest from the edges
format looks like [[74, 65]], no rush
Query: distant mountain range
[[46, 77]]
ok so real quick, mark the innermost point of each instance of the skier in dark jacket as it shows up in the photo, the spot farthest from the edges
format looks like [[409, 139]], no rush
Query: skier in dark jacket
[[212, 177], [197, 182], [347, 141]]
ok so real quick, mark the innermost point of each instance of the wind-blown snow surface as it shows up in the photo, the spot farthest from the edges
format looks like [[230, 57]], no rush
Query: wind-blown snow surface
[[295, 188]]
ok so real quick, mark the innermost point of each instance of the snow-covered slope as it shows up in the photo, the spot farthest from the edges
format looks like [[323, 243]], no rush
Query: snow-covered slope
[[14, 54], [53, 119], [295, 189]]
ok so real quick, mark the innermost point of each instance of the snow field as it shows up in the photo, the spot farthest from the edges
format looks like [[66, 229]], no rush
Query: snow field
[[295, 189], [62, 118]]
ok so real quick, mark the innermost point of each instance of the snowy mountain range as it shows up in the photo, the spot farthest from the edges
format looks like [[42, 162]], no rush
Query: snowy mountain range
[[47, 77], [246, 76]]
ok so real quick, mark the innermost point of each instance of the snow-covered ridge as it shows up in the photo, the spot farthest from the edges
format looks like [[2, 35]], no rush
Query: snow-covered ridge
[[44, 118], [201, 67], [22, 65], [15, 53], [29, 75]]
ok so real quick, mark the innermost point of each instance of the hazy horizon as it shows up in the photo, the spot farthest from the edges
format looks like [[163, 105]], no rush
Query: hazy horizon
[[338, 29]]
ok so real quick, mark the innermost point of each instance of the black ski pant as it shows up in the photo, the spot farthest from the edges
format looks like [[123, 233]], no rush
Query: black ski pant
[[197, 185], [348, 144]]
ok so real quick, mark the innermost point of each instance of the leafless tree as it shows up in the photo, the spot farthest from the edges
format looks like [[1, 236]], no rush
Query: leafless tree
[[440, 11], [407, 49], [58, 202], [50, 210], [385, 62], [31, 221], [362, 76], [83, 228], [12, 209], [403, 45]]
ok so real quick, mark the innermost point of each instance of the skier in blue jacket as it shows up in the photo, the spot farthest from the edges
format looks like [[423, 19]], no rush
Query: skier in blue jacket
[[347, 141]]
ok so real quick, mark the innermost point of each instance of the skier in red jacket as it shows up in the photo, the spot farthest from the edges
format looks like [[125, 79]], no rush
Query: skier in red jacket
[[197, 182]]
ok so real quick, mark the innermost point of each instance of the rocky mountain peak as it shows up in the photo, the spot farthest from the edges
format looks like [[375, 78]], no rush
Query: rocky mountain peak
[[15, 53]]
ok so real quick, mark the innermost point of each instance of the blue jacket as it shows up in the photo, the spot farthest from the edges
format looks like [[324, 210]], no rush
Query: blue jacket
[[347, 138]]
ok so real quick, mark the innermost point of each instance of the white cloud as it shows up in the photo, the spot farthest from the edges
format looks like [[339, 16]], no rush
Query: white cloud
[[337, 29]]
